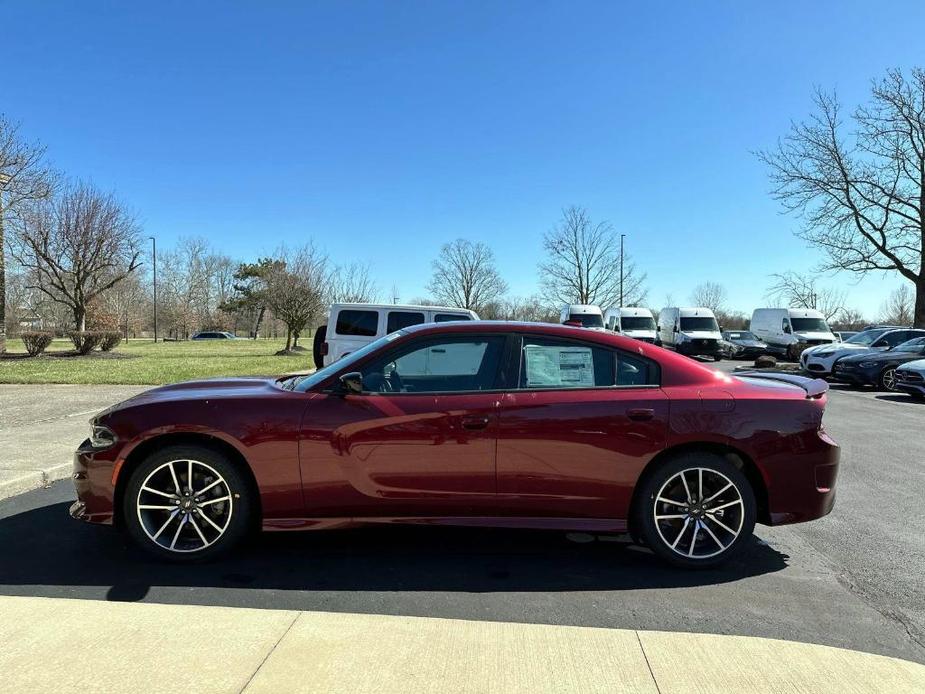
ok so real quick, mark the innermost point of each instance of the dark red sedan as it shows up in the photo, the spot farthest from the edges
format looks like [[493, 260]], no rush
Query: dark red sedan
[[478, 423]]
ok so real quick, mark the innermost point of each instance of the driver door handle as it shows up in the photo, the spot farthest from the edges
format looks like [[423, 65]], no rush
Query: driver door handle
[[474, 422], [640, 414]]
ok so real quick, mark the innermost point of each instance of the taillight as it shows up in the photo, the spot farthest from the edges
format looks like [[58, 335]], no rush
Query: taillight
[[324, 349]]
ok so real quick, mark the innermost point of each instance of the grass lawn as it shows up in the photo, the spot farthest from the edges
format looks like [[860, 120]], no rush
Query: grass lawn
[[142, 362]]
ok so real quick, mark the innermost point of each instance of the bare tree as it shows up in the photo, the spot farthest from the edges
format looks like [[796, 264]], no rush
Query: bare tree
[[24, 178], [351, 283], [465, 276], [531, 309], [711, 295], [802, 291], [78, 244], [899, 308], [849, 319], [861, 195], [296, 290], [583, 264]]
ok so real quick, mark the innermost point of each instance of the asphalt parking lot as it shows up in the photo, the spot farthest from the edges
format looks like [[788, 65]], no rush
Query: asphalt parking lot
[[853, 579]]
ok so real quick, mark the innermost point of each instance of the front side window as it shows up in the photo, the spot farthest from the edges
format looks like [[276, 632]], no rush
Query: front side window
[[360, 323], [550, 363], [403, 319], [895, 338], [437, 365], [447, 317]]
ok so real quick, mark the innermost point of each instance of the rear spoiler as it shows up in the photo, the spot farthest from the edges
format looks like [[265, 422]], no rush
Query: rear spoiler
[[814, 387]]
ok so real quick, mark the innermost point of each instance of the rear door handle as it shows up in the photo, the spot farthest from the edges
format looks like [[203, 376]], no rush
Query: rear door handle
[[640, 414], [474, 422]]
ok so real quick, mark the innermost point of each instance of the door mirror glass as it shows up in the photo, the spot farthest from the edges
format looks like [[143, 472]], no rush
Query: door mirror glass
[[352, 383]]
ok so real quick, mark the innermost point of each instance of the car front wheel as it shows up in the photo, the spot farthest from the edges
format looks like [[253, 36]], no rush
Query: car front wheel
[[888, 379], [186, 503], [696, 510]]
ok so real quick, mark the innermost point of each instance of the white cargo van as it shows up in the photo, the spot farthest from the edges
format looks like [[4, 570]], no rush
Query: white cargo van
[[789, 331], [690, 331], [351, 326], [632, 321], [588, 315]]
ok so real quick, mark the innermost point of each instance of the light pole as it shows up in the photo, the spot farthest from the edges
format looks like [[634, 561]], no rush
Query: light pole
[[154, 260], [622, 236], [4, 179]]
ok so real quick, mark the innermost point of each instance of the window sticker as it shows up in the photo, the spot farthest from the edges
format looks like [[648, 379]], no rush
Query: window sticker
[[564, 367]]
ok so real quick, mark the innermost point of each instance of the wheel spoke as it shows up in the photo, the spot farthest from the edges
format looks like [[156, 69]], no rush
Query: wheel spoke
[[707, 501], [673, 516], [687, 489], [680, 534], [164, 526], [209, 486], [202, 537], [699, 483], [215, 501], [690, 552], [721, 524], [176, 535], [159, 493], [189, 476], [149, 507], [176, 482], [680, 504], [726, 505], [205, 517], [712, 534]]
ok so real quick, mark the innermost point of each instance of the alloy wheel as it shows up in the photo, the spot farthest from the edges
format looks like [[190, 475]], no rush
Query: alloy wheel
[[888, 379], [699, 513], [184, 506]]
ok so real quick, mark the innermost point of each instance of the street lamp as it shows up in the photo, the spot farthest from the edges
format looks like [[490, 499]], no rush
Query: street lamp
[[622, 236], [154, 260], [4, 180]]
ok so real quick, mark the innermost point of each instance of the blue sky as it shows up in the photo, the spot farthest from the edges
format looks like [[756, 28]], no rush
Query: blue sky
[[383, 130]]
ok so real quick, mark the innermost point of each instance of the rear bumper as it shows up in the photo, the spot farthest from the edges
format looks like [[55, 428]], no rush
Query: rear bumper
[[93, 472], [801, 487]]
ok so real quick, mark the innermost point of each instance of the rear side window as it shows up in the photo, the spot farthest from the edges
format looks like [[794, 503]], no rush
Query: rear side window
[[362, 323], [550, 364], [447, 317], [402, 319]]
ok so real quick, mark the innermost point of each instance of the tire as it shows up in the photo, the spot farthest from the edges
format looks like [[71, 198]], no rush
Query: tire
[[206, 530], [887, 379], [738, 513], [717, 357], [320, 334], [792, 354]]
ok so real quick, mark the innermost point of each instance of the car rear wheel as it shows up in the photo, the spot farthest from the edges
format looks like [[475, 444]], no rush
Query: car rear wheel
[[888, 379], [696, 511], [187, 503], [320, 334]]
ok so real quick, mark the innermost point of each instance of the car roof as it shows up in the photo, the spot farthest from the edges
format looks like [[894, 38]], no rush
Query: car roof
[[401, 307]]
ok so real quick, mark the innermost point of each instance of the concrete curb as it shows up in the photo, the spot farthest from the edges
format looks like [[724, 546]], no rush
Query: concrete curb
[[15, 482], [51, 644]]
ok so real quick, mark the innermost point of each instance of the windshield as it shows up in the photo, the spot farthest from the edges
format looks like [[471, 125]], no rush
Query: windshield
[[637, 323], [864, 338], [809, 325], [303, 383], [698, 324], [587, 320]]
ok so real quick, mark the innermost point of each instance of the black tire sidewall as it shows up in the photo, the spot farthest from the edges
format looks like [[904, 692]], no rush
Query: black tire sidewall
[[320, 334], [240, 519], [644, 521]]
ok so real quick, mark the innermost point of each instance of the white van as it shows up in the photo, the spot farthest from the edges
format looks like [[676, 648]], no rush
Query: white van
[[690, 331], [789, 331], [632, 321], [351, 326], [588, 315]]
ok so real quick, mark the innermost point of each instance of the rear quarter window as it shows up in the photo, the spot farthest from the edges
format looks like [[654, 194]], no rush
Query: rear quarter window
[[447, 317], [402, 319], [360, 323]]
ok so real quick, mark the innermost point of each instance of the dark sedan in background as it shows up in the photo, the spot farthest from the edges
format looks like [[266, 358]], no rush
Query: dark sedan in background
[[744, 344], [878, 368]]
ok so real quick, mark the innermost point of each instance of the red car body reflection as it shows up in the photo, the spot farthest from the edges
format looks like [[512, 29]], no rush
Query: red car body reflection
[[569, 458]]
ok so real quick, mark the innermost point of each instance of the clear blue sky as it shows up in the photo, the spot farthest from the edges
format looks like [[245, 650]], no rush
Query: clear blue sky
[[385, 129]]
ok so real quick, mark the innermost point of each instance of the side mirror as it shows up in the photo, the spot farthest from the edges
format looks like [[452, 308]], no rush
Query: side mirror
[[787, 330], [352, 383]]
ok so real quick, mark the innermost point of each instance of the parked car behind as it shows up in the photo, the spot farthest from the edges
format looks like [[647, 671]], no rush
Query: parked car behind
[[910, 378], [789, 331], [878, 368], [744, 344], [471, 423], [352, 326], [690, 331], [844, 335], [819, 360], [213, 335]]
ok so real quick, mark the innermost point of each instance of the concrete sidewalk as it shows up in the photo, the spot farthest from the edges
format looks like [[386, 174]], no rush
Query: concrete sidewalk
[[41, 425], [62, 645]]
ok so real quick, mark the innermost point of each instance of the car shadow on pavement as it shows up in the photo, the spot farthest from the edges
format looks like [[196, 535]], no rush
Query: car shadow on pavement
[[46, 553], [901, 397]]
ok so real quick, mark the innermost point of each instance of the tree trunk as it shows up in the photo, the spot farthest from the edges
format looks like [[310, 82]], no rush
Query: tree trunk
[[257, 322], [288, 338], [918, 318], [80, 318]]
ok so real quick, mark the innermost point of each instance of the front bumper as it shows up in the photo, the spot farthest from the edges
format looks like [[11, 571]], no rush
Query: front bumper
[[817, 366], [93, 473], [704, 348], [855, 377]]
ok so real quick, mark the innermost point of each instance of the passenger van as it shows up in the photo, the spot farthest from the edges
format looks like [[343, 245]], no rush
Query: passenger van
[[588, 315], [690, 331], [351, 326], [632, 321], [789, 331]]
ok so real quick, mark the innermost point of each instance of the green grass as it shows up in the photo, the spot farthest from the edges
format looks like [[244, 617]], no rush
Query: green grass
[[142, 362]]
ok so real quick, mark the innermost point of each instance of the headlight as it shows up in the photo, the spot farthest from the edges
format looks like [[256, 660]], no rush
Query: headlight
[[867, 364], [101, 437]]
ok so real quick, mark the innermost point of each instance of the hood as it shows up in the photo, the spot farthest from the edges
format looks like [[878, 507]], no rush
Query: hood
[[815, 335], [877, 355], [747, 342], [639, 333], [837, 348], [208, 389], [918, 366], [701, 334]]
